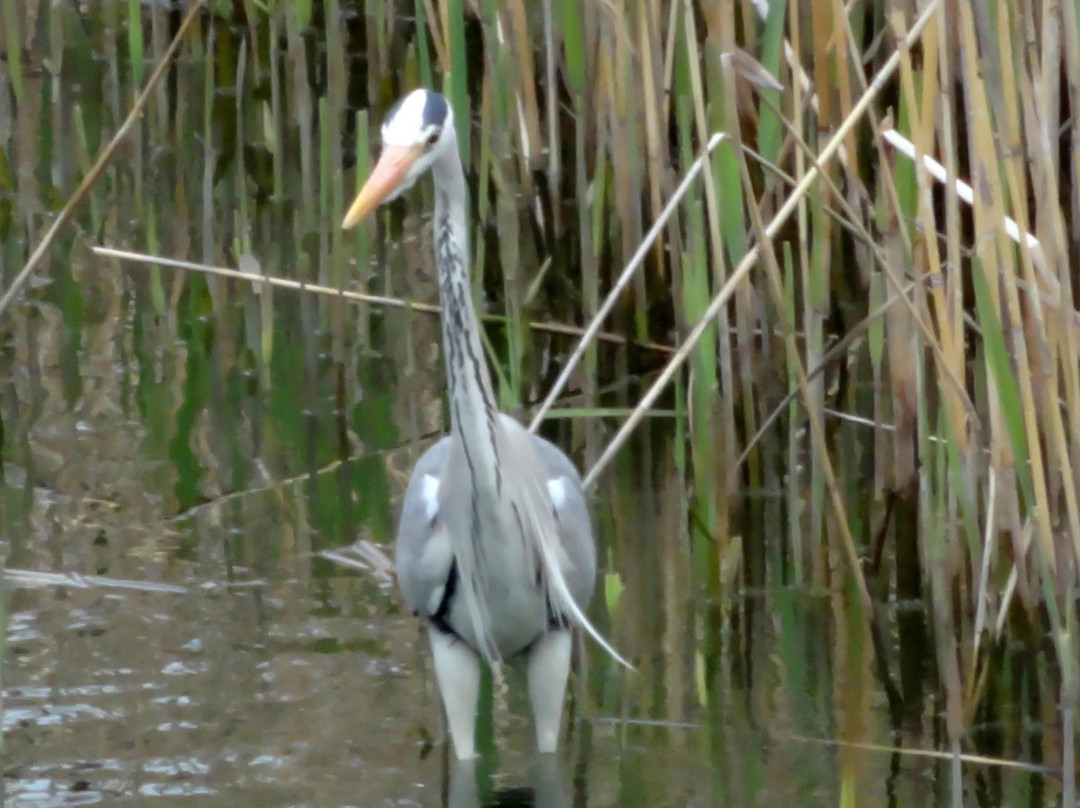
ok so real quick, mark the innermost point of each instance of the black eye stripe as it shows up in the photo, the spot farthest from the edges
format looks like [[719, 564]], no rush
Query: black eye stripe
[[434, 115], [435, 109]]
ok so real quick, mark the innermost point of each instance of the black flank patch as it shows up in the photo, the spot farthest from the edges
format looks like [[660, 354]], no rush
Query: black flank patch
[[439, 618]]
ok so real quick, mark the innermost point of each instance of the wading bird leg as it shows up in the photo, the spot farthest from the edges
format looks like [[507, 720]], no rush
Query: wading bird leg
[[457, 668], [549, 665]]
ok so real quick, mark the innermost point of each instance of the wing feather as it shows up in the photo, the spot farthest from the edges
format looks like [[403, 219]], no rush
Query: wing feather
[[423, 554]]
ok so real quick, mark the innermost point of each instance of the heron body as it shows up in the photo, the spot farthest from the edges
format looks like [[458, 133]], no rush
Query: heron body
[[427, 573], [495, 549]]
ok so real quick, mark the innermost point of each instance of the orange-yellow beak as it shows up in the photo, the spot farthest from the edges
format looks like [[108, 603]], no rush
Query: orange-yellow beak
[[393, 165]]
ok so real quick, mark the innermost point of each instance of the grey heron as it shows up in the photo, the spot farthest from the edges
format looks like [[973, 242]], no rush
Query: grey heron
[[495, 549]]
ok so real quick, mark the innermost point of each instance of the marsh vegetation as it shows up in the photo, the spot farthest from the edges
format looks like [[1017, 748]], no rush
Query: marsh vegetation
[[831, 422]]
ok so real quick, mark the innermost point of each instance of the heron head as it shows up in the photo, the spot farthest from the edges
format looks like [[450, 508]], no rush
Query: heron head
[[417, 130]]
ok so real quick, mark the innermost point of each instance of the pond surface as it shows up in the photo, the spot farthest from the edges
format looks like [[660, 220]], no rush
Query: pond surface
[[279, 678], [290, 683], [200, 443]]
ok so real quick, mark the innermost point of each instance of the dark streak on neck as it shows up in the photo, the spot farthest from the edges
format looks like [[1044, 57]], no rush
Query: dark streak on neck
[[461, 339]]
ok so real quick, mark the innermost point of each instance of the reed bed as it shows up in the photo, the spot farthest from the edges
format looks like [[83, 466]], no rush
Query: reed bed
[[867, 279]]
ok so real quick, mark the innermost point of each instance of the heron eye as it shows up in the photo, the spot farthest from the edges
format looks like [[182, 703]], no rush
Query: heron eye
[[433, 138]]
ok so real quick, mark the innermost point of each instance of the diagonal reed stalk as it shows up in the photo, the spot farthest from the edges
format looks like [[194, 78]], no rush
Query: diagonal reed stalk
[[743, 269], [593, 330], [106, 155], [35, 578], [259, 278]]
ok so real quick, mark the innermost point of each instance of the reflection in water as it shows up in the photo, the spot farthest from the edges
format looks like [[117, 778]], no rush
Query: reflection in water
[[310, 688], [548, 788]]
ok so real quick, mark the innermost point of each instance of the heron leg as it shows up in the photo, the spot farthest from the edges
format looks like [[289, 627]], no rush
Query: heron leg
[[457, 669], [549, 665]]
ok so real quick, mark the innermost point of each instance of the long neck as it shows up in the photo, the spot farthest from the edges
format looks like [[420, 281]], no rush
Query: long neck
[[473, 414]]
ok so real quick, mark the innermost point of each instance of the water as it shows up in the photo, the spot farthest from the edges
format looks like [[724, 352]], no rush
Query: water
[[166, 431]]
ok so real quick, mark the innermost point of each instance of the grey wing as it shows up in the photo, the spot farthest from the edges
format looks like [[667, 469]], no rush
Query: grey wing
[[575, 528], [423, 555]]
